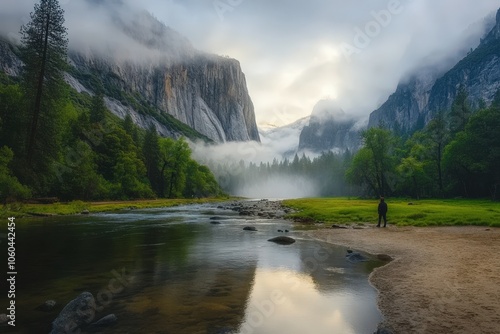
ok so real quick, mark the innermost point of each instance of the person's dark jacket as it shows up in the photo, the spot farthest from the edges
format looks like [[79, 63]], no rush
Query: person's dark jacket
[[382, 208]]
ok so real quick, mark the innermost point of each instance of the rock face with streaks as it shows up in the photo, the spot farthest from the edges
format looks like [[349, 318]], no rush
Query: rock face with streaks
[[154, 74], [430, 91], [330, 129]]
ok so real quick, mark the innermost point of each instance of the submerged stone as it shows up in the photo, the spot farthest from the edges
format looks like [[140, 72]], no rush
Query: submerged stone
[[77, 313], [356, 258], [282, 240], [106, 321], [47, 306]]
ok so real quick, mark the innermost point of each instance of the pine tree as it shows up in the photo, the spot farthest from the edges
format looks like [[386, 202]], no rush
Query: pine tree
[[151, 152], [98, 111], [460, 111], [44, 49]]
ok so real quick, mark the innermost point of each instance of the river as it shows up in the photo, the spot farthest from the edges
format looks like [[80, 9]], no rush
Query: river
[[175, 271]]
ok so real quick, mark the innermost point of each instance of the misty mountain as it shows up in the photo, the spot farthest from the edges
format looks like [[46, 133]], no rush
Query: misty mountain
[[330, 129], [285, 139], [153, 73], [431, 89]]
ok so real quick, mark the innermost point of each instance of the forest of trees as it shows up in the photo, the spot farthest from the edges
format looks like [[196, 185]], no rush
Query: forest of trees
[[456, 155], [55, 142]]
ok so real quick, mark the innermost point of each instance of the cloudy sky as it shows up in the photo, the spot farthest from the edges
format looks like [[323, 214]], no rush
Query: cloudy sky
[[295, 53]]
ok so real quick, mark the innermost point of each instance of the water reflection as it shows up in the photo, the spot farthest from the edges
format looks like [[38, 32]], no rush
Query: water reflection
[[284, 301], [185, 275], [310, 288]]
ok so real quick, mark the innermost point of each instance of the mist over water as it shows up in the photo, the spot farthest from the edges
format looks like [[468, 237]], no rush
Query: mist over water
[[230, 164], [281, 186]]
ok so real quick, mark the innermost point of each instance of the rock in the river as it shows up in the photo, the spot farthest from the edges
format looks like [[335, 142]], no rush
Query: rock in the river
[[85, 212], [106, 321], [249, 228], [335, 226], [214, 222], [355, 258], [77, 313], [282, 240], [47, 306]]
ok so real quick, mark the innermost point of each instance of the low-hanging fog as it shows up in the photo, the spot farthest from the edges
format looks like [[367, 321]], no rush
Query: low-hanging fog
[[232, 165]]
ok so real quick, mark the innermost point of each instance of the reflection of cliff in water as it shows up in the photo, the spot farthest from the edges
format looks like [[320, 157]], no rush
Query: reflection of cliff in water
[[188, 284], [187, 278]]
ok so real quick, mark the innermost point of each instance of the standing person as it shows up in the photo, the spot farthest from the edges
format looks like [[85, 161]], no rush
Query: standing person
[[382, 212]]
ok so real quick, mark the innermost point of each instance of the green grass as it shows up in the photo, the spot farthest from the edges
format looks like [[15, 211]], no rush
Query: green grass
[[421, 213], [20, 210]]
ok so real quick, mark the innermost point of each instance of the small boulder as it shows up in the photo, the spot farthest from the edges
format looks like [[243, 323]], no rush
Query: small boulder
[[106, 321], [383, 331], [355, 258], [213, 222], [85, 212], [339, 227], [249, 228], [47, 306], [77, 313], [282, 240]]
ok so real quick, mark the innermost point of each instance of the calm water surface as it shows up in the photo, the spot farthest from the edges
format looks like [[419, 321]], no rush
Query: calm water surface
[[172, 271]]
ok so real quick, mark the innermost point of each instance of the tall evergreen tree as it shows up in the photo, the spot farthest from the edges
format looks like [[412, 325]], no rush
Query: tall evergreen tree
[[151, 152], [44, 49], [438, 137], [98, 111], [460, 111]]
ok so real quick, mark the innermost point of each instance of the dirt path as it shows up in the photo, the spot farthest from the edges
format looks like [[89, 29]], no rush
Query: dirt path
[[443, 280]]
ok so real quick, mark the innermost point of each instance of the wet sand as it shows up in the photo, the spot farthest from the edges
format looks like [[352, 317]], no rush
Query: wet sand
[[442, 280]]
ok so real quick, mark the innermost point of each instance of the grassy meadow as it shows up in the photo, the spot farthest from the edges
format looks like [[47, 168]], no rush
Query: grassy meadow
[[418, 213]]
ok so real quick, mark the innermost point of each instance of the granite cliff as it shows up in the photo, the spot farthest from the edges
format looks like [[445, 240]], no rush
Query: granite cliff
[[429, 90], [330, 128], [160, 80]]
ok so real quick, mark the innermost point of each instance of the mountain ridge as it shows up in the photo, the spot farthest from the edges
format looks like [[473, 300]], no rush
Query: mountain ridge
[[417, 100]]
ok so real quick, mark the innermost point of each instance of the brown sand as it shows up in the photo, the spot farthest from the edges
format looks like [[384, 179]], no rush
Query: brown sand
[[442, 280]]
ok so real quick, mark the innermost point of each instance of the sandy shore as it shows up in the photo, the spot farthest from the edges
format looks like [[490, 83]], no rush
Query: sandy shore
[[443, 280]]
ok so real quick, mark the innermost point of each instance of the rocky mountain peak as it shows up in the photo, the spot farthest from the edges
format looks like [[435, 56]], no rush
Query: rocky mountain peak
[[327, 111], [330, 129]]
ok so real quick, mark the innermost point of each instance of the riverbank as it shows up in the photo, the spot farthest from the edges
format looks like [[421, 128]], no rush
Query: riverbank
[[19, 210], [451, 212], [442, 279]]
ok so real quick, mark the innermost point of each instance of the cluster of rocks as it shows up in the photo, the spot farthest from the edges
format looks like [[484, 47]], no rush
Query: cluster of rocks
[[263, 208]]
